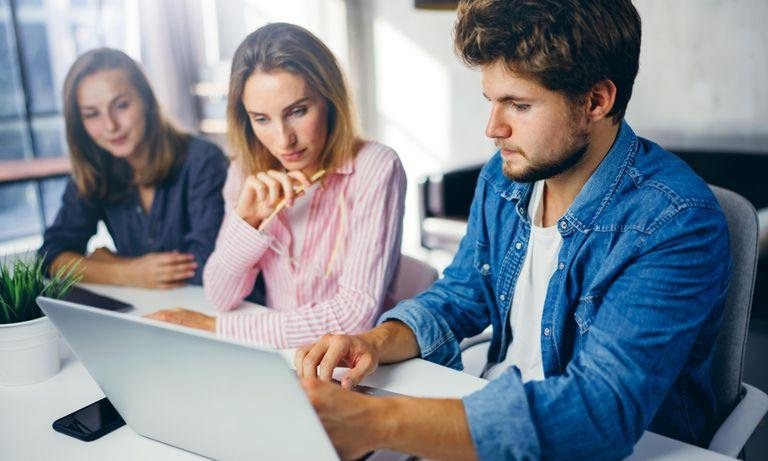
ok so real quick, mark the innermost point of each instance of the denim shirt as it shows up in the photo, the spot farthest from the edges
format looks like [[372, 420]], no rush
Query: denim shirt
[[630, 317], [185, 216]]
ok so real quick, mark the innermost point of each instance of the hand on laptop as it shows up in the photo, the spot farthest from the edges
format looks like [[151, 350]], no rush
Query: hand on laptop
[[354, 351], [348, 417], [185, 317]]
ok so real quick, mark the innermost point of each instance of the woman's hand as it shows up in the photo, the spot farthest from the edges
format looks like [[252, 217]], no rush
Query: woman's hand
[[103, 254], [185, 317], [159, 270], [264, 190]]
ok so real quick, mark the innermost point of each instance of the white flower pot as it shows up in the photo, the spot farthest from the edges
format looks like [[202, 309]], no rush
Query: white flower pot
[[29, 352]]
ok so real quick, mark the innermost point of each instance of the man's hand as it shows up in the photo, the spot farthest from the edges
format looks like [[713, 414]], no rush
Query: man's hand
[[159, 270], [185, 317], [358, 423], [390, 342], [354, 422], [320, 359]]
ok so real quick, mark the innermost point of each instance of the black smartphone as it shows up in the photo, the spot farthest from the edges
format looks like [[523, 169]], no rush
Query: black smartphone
[[90, 422], [81, 295]]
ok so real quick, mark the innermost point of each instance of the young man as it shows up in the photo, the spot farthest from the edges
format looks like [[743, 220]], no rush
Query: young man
[[600, 259]]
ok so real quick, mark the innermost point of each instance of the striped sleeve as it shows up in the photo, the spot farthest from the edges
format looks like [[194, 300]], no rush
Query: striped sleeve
[[369, 265], [232, 268]]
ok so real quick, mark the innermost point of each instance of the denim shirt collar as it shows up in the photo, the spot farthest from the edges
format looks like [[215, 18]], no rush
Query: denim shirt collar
[[594, 196]]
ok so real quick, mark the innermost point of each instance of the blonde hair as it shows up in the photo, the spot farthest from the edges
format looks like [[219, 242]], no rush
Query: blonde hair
[[293, 49], [97, 173]]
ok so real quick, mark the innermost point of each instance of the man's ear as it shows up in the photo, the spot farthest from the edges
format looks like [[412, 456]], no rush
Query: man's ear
[[601, 99]]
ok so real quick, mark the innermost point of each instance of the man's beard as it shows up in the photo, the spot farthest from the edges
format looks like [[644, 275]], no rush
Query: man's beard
[[578, 142]]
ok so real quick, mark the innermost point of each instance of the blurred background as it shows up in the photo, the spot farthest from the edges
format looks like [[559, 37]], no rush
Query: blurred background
[[702, 82], [702, 87]]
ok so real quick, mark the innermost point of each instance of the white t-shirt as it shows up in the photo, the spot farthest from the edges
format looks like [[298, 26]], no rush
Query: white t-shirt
[[297, 217], [540, 263]]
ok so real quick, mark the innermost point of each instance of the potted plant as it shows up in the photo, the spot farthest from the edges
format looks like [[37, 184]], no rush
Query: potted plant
[[29, 344]]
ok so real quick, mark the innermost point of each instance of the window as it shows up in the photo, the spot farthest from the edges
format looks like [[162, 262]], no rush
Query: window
[[39, 40]]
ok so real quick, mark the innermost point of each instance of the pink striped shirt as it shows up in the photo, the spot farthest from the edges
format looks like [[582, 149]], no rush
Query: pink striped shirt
[[346, 268]]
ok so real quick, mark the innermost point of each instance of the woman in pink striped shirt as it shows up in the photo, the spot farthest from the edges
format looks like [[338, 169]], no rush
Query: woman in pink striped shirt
[[330, 256]]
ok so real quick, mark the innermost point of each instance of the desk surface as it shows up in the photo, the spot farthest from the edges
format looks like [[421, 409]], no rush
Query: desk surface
[[26, 412]]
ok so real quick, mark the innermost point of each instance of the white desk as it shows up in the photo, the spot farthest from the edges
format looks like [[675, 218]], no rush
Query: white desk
[[26, 412]]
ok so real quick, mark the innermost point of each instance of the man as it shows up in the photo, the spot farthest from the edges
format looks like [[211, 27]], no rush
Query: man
[[600, 259]]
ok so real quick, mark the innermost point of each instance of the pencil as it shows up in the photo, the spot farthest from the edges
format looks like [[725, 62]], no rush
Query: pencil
[[283, 202]]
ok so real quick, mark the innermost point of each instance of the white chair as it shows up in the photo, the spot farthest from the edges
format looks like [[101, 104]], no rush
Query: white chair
[[413, 277]]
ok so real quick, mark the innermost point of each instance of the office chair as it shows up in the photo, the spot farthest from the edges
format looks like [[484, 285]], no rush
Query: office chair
[[413, 277], [743, 404]]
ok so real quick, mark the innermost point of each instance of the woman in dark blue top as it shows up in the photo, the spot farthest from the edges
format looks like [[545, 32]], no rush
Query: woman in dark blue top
[[157, 189]]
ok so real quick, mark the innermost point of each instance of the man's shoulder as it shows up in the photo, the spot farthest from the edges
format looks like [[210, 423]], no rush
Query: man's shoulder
[[658, 169], [659, 185]]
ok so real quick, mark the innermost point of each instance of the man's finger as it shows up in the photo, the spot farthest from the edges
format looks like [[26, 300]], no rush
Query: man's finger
[[362, 368], [336, 351], [298, 359], [312, 359]]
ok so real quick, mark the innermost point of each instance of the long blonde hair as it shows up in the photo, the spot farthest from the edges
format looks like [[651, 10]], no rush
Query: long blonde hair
[[98, 174], [293, 49]]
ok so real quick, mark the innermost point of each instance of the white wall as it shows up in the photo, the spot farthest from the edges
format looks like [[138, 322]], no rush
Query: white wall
[[703, 82], [703, 78], [416, 96]]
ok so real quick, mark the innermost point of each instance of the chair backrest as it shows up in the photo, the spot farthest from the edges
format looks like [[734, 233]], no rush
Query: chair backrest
[[412, 278], [728, 360]]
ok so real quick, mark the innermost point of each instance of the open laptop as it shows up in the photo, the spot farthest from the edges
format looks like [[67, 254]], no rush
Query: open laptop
[[192, 390]]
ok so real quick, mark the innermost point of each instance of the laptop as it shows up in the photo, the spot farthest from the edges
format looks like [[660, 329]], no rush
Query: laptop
[[192, 390]]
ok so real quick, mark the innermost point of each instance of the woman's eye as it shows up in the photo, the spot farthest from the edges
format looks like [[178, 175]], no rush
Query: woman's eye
[[89, 115], [259, 120], [122, 105], [298, 112]]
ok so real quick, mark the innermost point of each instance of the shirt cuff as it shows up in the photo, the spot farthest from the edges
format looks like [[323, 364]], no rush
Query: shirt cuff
[[500, 421], [436, 340], [241, 244]]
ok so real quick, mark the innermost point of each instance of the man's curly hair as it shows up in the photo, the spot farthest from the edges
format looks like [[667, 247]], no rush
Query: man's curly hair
[[565, 45]]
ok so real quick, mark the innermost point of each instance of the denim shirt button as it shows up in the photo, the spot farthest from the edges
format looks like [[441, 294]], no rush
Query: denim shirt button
[[563, 225], [561, 266], [546, 331], [521, 210], [518, 245], [486, 267], [502, 297]]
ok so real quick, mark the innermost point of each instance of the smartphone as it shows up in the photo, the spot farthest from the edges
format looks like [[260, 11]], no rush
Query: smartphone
[[90, 422], [81, 295]]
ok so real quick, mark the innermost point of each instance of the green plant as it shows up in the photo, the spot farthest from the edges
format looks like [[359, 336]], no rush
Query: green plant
[[22, 281]]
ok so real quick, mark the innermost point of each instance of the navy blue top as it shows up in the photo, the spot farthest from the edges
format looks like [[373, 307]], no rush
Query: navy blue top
[[185, 216]]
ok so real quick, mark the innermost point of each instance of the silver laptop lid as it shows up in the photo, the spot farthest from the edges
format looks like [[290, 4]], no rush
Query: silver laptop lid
[[192, 390]]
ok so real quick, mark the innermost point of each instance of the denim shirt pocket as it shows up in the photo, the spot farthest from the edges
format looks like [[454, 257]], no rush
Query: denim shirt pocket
[[482, 258], [586, 311]]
